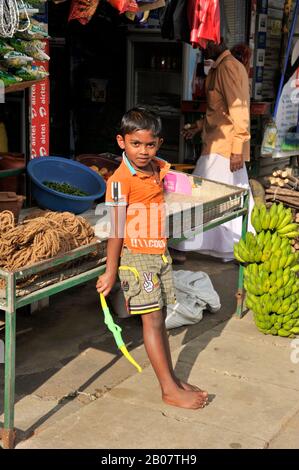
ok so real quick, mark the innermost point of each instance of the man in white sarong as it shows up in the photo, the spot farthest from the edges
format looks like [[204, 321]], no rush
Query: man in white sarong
[[226, 144]]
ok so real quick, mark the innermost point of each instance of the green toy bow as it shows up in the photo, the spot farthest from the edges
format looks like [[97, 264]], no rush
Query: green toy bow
[[116, 331]]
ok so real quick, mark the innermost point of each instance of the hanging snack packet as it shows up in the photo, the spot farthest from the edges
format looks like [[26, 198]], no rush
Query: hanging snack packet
[[35, 31], [26, 9], [4, 47], [9, 79], [31, 73], [16, 59], [32, 48], [37, 3]]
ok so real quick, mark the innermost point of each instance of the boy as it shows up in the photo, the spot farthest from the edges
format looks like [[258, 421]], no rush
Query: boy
[[145, 271]]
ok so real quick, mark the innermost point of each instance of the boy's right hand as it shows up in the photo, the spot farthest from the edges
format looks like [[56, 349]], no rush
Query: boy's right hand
[[105, 283]]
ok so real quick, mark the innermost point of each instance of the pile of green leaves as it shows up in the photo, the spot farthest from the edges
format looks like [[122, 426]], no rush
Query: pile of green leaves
[[65, 188]]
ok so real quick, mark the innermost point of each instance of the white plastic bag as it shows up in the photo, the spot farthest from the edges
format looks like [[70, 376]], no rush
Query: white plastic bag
[[194, 293]]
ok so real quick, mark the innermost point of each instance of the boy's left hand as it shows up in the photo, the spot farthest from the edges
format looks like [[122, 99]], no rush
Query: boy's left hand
[[105, 283]]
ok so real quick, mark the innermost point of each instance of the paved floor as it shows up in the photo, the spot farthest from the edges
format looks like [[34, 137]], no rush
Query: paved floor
[[74, 391]]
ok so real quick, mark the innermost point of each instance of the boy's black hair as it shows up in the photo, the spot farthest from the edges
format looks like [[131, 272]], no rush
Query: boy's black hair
[[139, 119]]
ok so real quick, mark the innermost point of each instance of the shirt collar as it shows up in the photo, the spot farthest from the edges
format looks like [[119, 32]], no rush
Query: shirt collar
[[128, 164], [163, 164], [220, 58]]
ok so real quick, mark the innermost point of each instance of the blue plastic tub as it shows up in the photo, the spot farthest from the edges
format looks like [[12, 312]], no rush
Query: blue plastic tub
[[62, 170]]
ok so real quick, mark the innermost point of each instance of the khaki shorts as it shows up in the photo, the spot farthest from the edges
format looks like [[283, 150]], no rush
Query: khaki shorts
[[146, 281]]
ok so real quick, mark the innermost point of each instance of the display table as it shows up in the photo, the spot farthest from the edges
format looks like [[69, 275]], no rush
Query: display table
[[216, 203]]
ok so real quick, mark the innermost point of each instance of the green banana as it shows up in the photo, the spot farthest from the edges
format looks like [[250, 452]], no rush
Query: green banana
[[290, 234], [282, 261], [279, 283], [284, 222], [283, 332], [273, 278], [287, 292], [274, 264], [295, 330], [273, 222], [277, 244], [280, 208], [288, 228], [280, 293], [273, 210], [257, 255], [284, 242], [265, 220], [268, 237], [237, 254], [260, 238], [295, 289], [290, 260]]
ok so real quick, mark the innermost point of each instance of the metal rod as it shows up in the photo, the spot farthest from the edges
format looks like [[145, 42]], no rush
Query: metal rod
[[10, 349], [60, 286], [240, 292]]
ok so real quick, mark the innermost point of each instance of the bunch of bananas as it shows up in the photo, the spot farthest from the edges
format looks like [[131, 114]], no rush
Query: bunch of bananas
[[260, 248], [270, 277], [277, 218], [273, 298]]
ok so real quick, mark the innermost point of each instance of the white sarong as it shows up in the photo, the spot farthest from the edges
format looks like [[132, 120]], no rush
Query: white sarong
[[219, 242]]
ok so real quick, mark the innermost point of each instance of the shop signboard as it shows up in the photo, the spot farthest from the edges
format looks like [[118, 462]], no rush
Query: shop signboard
[[40, 104], [287, 143], [40, 119]]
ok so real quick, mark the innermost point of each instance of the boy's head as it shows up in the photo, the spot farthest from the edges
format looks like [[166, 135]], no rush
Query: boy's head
[[140, 135]]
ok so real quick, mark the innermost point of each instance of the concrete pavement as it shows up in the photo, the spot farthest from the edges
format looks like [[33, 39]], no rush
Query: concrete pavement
[[74, 391]]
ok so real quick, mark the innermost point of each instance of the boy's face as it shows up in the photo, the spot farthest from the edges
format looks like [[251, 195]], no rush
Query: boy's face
[[140, 146]]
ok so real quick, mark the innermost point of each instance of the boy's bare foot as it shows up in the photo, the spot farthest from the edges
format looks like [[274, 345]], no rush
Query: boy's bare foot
[[187, 386], [186, 398]]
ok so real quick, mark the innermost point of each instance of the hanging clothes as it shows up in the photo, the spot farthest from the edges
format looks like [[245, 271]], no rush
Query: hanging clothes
[[174, 21], [204, 21], [83, 10], [224, 26], [166, 19], [124, 5]]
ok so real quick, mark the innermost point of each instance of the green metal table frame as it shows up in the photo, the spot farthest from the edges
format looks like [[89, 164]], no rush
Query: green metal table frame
[[7, 433]]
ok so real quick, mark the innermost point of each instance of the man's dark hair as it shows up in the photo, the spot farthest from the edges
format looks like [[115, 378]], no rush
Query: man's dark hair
[[139, 119]]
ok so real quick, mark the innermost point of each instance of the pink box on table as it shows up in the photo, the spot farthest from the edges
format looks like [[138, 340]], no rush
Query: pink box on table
[[175, 182]]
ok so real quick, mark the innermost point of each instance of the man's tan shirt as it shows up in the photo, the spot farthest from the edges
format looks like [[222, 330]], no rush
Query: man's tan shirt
[[226, 128]]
